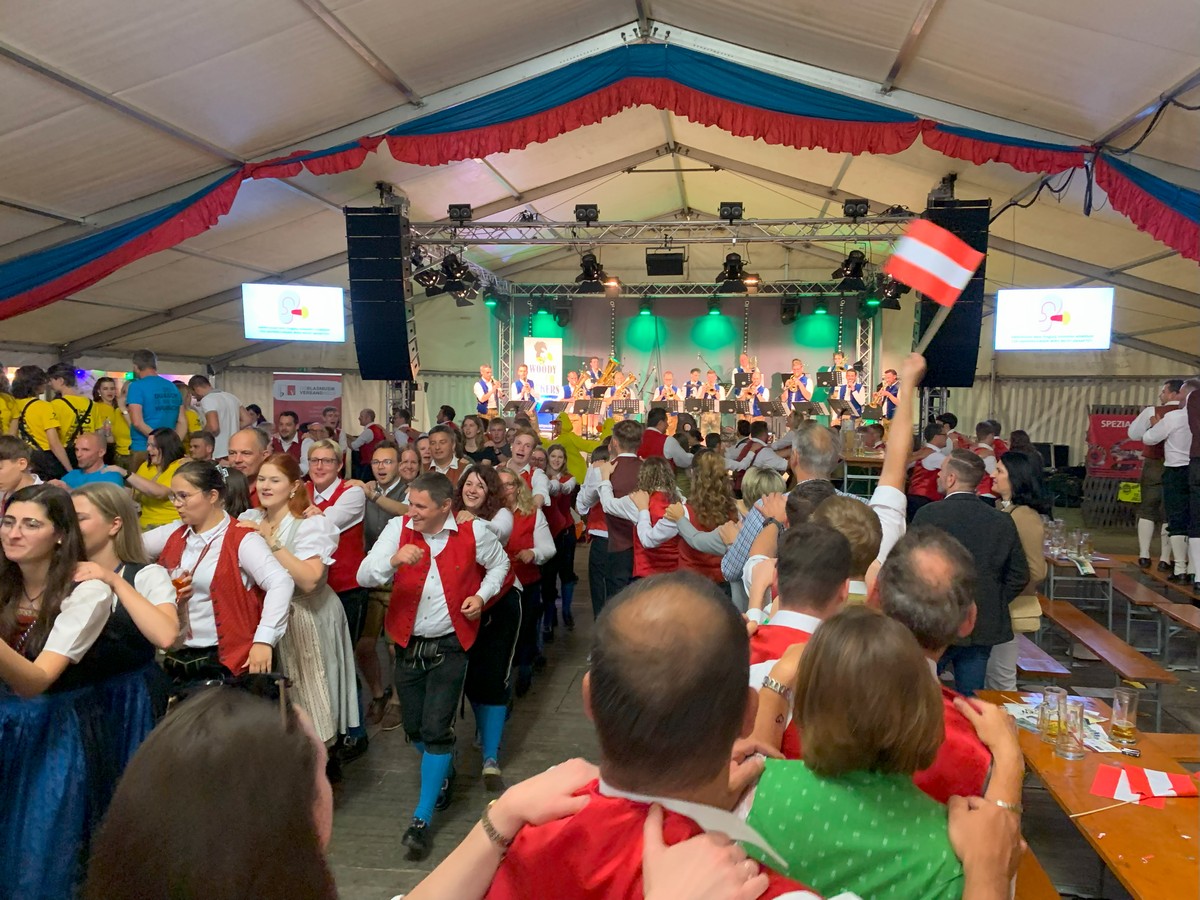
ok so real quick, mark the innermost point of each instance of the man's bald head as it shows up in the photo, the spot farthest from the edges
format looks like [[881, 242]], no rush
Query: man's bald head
[[928, 585], [89, 450], [668, 684]]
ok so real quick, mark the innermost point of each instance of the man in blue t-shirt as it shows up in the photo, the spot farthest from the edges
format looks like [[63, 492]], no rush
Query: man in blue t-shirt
[[152, 401], [89, 450]]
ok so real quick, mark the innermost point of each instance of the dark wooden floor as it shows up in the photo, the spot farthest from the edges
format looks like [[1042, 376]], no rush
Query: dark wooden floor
[[548, 726]]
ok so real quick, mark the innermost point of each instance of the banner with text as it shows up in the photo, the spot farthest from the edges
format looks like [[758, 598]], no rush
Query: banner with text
[[306, 394], [543, 356], [1111, 453]]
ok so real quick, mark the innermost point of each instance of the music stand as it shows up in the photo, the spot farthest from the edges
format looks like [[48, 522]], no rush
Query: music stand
[[554, 407], [774, 409], [700, 405], [588, 407], [827, 379], [735, 407], [518, 406], [599, 391], [808, 408], [668, 405], [740, 380], [874, 413], [842, 409], [627, 407]]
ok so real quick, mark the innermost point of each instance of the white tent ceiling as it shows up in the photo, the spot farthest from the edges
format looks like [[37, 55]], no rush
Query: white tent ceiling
[[124, 105]]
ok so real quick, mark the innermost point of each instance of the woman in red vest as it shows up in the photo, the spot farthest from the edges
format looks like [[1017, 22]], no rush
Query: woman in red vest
[[656, 538], [480, 495], [562, 527], [529, 546], [240, 595], [710, 506], [316, 652]]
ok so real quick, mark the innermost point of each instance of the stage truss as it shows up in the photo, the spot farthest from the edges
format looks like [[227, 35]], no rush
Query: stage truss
[[831, 290]]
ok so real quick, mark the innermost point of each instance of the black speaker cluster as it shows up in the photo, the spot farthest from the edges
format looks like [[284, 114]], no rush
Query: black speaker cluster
[[378, 246]]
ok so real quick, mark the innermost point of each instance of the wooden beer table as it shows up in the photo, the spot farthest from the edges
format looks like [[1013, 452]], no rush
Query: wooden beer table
[[1154, 853], [1063, 581], [871, 466]]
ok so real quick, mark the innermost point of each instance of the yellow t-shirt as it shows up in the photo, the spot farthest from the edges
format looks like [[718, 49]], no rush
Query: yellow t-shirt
[[74, 416], [155, 510], [115, 419], [7, 411], [193, 420], [38, 417]]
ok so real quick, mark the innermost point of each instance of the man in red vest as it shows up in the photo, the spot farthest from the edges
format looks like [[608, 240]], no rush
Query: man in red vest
[[667, 692], [923, 468], [286, 439], [442, 577], [621, 468], [371, 436], [812, 581], [655, 442], [928, 585]]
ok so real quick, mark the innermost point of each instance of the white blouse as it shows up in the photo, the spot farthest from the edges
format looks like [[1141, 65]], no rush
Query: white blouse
[[314, 538], [81, 617], [154, 583]]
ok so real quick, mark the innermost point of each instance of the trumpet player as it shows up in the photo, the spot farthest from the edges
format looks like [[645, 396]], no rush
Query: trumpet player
[[691, 387], [756, 393], [711, 389], [522, 388], [667, 390], [799, 387], [853, 393], [487, 392], [888, 394]]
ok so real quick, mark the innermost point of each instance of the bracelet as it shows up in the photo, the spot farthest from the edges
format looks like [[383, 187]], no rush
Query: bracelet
[[502, 843], [780, 688], [1011, 807]]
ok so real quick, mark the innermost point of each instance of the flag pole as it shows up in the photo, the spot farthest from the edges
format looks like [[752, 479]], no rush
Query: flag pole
[[938, 318]]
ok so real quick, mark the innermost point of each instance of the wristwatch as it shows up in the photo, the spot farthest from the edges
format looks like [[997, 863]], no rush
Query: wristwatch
[[771, 520], [502, 843], [780, 688]]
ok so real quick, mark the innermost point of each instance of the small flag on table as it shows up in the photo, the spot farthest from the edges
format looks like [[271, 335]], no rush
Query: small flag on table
[[936, 263], [1147, 787]]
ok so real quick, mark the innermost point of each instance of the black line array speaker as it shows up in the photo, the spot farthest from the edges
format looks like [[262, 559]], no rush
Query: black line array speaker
[[952, 356], [378, 244]]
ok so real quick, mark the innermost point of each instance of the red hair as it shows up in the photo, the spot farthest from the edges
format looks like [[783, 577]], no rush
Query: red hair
[[284, 462]]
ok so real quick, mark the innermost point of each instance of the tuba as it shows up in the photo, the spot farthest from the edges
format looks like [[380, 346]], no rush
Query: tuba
[[581, 391], [622, 389], [609, 376]]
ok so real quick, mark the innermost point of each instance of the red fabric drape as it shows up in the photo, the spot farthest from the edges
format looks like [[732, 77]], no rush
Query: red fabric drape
[[330, 164], [1149, 214], [1023, 159]]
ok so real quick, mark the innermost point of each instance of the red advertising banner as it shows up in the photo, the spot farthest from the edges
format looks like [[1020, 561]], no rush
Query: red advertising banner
[[1111, 453], [306, 394]]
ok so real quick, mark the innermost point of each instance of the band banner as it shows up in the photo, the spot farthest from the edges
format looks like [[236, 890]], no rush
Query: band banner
[[305, 394], [543, 356], [1111, 453]]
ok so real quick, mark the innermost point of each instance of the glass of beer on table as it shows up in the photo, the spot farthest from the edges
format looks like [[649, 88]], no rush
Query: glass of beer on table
[[1049, 713], [1070, 729], [1124, 716]]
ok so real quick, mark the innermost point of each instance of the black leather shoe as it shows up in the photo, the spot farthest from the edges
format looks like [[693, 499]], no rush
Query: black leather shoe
[[1178, 579], [350, 749], [445, 795], [418, 839], [1143, 562], [1164, 566]]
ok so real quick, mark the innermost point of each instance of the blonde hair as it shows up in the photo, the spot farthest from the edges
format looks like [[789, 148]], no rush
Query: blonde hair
[[758, 482], [327, 444], [114, 503], [522, 500]]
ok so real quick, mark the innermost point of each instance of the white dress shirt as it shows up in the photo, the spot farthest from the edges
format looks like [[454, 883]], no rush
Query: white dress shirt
[[347, 510], [258, 565], [1173, 433], [561, 487], [364, 437], [934, 460], [589, 496], [433, 615], [543, 540], [891, 507], [541, 484], [673, 451], [1139, 426], [763, 457], [649, 536]]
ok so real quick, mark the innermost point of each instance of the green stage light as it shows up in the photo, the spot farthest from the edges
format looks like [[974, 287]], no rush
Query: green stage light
[[821, 308], [714, 307], [645, 308]]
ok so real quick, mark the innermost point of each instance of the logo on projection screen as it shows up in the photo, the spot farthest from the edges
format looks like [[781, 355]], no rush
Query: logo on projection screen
[[1054, 319], [293, 312]]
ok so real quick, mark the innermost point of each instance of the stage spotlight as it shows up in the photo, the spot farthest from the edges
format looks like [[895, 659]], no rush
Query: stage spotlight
[[562, 315], [543, 306], [490, 298], [732, 276], [587, 213], [820, 307], [731, 210], [457, 278], [459, 213], [891, 291], [592, 279], [851, 271], [645, 307], [855, 209], [714, 306], [789, 309]]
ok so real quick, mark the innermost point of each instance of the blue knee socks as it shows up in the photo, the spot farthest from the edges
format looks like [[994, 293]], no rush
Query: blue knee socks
[[491, 729], [434, 769], [568, 594]]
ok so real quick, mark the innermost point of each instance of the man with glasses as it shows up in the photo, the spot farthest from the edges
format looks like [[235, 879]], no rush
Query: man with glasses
[[248, 450], [343, 503]]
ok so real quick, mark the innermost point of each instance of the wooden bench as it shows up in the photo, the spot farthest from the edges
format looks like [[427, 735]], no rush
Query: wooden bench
[[1034, 662], [1184, 748], [1145, 598], [1169, 587], [1128, 664], [1186, 617], [1032, 881]]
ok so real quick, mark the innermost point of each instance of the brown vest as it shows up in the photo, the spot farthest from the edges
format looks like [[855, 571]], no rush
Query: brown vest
[[1158, 451], [624, 480]]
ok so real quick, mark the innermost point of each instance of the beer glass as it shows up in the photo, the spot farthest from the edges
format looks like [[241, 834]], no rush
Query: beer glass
[[1070, 729], [1124, 716], [1048, 713]]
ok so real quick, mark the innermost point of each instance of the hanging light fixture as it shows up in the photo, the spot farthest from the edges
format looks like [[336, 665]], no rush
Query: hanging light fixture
[[714, 306], [592, 279], [645, 307]]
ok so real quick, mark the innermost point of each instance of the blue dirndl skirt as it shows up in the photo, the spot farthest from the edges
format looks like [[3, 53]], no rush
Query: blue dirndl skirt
[[60, 757]]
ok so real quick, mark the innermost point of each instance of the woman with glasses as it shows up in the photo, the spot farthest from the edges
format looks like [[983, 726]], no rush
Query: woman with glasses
[[63, 745], [240, 595], [315, 652], [529, 546], [480, 495], [152, 481]]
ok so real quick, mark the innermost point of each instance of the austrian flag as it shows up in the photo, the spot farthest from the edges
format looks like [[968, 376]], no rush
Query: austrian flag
[[1145, 786], [933, 261]]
